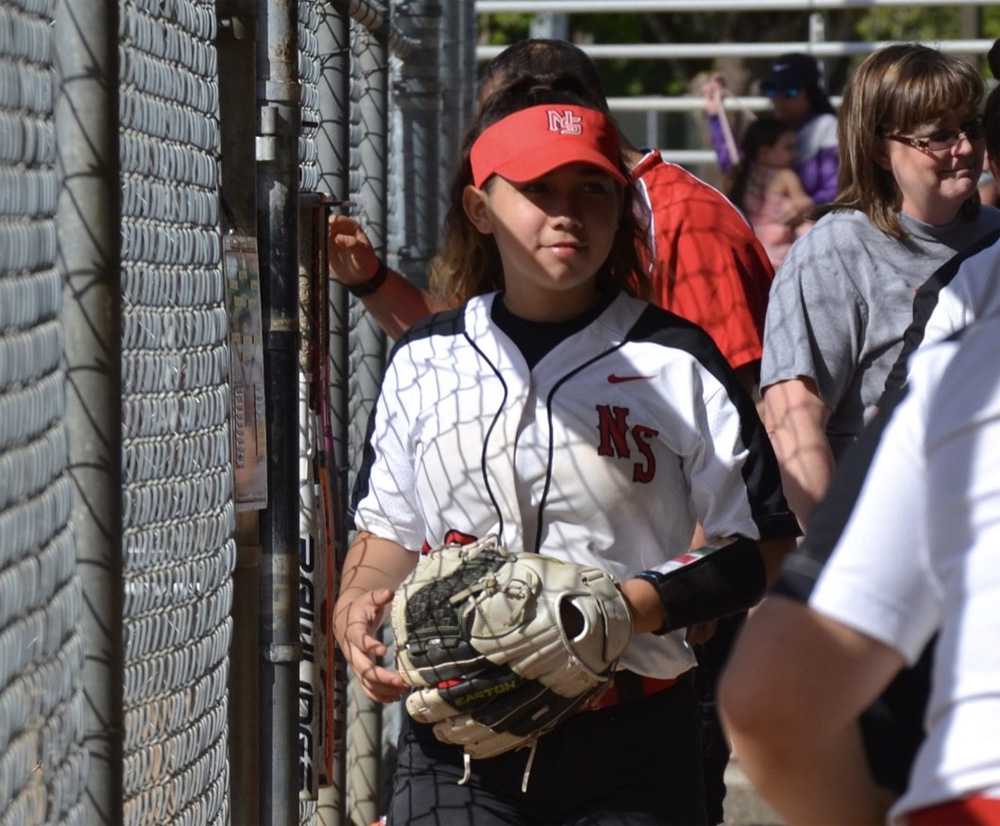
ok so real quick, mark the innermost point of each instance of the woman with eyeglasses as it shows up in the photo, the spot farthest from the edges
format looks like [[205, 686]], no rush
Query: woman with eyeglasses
[[911, 151], [801, 103]]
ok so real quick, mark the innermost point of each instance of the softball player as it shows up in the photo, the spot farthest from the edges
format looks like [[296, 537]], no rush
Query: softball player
[[917, 555], [705, 263], [560, 412]]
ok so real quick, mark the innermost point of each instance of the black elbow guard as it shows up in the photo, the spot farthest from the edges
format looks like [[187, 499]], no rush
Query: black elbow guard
[[724, 582]]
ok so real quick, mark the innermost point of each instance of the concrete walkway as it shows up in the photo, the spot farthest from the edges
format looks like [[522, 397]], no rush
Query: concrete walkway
[[743, 806]]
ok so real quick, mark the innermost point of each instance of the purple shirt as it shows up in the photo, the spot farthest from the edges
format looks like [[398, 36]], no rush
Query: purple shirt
[[818, 159]]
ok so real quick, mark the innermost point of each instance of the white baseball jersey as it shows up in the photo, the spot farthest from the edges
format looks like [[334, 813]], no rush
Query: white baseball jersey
[[973, 293], [965, 288], [607, 453], [921, 553]]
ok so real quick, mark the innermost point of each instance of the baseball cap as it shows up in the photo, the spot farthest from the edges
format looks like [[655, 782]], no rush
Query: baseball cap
[[792, 71], [532, 142]]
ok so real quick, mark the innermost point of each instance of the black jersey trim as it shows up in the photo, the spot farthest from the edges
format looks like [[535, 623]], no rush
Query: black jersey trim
[[761, 477], [489, 432], [447, 323], [924, 303]]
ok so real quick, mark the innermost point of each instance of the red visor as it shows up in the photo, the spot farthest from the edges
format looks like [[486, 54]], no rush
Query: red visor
[[533, 142]]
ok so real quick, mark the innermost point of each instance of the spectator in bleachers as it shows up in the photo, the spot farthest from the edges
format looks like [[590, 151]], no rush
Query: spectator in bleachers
[[764, 185], [800, 102], [911, 148]]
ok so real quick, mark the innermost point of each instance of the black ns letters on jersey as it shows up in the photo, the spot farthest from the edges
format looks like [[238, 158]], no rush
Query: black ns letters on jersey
[[614, 430]]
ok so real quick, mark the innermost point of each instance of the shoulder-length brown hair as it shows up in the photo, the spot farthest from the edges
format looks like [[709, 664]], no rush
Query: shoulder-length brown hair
[[895, 90], [469, 262]]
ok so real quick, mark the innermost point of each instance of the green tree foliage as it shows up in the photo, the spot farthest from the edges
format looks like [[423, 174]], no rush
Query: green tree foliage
[[909, 23], [503, 29]]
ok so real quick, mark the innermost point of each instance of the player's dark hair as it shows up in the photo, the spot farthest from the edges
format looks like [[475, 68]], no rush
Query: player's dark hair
[[819, 101], [469, 263], [991, 125], [993, 59], [991, 112], [760, 133], [541, 58]]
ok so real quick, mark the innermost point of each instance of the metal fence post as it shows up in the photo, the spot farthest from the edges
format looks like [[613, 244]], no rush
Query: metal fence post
[[369, 148], [333, 150], [454, 93], [238, 113], [277, 199], [86, 122], [417, 87]]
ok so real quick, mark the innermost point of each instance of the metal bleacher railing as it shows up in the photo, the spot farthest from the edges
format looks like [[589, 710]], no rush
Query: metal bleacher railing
[[815, 45]]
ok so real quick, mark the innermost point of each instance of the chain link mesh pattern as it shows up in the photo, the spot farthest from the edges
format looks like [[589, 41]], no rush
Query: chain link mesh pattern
[[369, 120], [42, 761], [177, 498], [309, 72]]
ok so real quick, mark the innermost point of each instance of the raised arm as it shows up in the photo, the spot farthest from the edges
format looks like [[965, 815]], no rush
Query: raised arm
[[713, 91], [394, 302]]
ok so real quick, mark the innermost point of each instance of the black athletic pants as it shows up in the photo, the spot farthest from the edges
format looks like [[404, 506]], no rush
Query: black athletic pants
[[712, 657], [633, 764]]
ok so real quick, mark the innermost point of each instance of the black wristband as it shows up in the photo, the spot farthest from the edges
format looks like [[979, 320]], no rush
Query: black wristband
[[372, 284], [725, 582]]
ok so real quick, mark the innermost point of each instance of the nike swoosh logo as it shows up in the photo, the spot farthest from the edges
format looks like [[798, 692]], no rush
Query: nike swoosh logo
[[613, 379]]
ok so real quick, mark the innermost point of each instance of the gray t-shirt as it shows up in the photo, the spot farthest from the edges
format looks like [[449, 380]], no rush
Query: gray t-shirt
[[841, 302]]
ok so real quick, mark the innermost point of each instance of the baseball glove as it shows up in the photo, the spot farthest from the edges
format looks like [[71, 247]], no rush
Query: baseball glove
[[500, 647]]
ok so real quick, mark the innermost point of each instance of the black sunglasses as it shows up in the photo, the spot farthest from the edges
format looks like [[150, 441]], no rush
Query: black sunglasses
[[772, 91]]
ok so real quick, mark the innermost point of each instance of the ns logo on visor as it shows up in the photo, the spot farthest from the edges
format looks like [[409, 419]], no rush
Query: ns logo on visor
[[564, 123]]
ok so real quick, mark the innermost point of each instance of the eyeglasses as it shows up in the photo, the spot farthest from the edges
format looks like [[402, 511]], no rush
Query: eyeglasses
[[944, 140], [773, 92]]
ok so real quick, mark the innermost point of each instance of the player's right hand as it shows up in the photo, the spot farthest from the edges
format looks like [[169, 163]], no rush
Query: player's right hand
[[352, 256], [362, 647]]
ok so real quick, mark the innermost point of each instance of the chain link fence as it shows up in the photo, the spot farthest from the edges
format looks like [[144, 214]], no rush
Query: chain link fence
[[117, 514], [177, 509], [42, 759]]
